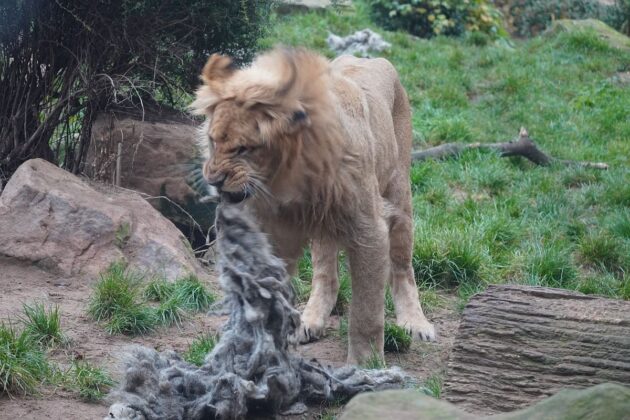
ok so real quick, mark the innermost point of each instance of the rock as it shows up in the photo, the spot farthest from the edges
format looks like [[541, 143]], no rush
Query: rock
[[59, 222], [606, 33], [159, 155], [313, 4], [604, 401], [518, 344], [359, 43]]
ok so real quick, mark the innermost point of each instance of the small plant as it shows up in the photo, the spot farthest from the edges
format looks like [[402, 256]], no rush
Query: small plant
[[301, 289], [170, 312], [603, 251], [199, 348], [89, 381], [134, 320], [602, 285], [397, 339], [158, 290], [116, 290], [551, 266], [116, 301], [44, 326], [192, 294], [433, 384], [23, 364], [375, 361]]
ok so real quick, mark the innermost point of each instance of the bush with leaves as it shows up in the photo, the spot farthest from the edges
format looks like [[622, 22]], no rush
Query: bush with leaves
[[530, 17], [427, 18]]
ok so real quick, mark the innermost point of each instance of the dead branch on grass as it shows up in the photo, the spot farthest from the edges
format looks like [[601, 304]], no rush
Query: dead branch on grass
[[524, 147]]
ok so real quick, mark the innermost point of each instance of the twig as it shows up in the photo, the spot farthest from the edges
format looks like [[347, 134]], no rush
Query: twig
[[524, 147]]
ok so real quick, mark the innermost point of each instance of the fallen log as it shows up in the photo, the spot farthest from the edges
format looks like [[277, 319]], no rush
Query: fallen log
[[524, 147], [518, 344]]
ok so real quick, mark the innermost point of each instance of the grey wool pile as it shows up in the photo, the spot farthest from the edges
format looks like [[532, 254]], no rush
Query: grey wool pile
[[250, 370]]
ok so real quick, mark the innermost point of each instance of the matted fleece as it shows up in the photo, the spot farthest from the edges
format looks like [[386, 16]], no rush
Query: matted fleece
[[250, 370]]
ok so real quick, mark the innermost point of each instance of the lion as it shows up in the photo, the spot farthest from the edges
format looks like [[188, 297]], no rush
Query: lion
[[320, 151]]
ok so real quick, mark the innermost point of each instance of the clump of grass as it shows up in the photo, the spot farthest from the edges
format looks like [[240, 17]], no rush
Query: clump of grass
[[433, 385], [134, 320], [90, 382], [390, 309], [23, 364], [116, 301], [342, 331], [199, 348], [375, 361], [602, 285], [192, 294], [551, 266], [344, 294], [430, 300], [621, 225], [397, 339], [446, 261], [170, 312], [116, 290], [158, 290], [301, 289], [44, 326], [602, 251]]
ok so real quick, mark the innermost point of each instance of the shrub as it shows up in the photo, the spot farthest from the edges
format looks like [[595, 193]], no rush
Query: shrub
[[427, 18], [530, 17]]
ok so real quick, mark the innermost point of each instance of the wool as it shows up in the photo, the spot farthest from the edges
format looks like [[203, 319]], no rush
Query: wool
[[251, 369]]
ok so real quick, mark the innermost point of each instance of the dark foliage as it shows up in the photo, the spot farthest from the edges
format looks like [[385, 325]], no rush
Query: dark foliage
[[62, 61]]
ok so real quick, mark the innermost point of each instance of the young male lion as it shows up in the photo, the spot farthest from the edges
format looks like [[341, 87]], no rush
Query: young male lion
[[320, 151]]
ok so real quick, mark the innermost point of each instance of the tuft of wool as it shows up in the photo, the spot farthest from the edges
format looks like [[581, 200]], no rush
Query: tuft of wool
[[251, 369]]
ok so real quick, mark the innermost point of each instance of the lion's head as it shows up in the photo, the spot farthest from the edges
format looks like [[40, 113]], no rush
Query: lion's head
[[257, 118]]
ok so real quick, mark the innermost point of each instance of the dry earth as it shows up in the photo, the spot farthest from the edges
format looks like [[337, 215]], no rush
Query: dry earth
[[21, 283]]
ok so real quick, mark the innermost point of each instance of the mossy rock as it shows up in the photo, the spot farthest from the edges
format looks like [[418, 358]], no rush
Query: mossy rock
[[607, 34], [604, 401]]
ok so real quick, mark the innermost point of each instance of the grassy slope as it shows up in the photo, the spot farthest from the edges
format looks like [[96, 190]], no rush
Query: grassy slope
[[482, 219]]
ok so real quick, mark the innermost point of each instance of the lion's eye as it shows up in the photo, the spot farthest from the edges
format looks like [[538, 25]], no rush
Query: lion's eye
[[241, 150]]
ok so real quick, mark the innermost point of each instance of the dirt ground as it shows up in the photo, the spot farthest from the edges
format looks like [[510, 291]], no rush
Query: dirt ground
[[20, 283]]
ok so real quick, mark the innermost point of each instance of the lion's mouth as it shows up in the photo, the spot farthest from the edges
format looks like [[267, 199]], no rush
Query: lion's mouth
[[235, 197]]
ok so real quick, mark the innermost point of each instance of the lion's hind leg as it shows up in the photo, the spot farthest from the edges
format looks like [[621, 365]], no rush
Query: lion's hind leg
[[325, 286]]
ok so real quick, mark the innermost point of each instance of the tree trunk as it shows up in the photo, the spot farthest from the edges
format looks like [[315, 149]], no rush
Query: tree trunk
[[518, 344]]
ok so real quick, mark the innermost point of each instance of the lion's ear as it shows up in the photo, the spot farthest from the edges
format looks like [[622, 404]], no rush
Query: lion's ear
[[217, 70], [214, 75]]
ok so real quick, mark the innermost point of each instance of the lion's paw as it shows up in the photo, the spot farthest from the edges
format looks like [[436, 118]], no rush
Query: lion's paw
[[310, 330], [421, 330]]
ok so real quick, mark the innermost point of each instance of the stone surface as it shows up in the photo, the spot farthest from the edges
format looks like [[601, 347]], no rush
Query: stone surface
[[519, 344], [60, 222], [604, 401], [314, 4], [159, 155], [606, 33]]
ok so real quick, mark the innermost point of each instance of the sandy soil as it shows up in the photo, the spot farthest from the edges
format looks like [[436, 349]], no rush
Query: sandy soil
[[21, 284]]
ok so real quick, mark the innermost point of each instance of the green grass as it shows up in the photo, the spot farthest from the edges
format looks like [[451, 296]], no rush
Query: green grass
[[121, 302], [397, 339], [433, 385], [23, 363], [375, 361], [90, 382], [43, 325], [199, 348], [481, 219]]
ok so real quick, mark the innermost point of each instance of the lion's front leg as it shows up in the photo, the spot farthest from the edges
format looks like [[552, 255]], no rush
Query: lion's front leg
[[369, 269], [325, 286]]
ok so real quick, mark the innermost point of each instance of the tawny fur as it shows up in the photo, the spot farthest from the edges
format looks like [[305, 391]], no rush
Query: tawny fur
[[321, 150]]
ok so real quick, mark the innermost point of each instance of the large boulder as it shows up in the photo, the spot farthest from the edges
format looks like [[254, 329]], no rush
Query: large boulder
[[604, 401], [160, 159], [64, 224], [604, 32]]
